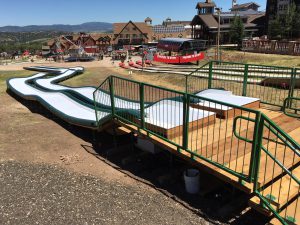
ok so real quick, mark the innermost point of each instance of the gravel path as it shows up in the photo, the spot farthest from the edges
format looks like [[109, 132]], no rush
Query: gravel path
[[43, 194]]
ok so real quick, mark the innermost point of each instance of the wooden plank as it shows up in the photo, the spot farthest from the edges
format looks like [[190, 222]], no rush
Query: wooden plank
[[199, 163], [227, 113], [267, 170], [220, 130], [282, 191], [292, 211], [177, 131], [213, 135], [255, 203], [227, 149]]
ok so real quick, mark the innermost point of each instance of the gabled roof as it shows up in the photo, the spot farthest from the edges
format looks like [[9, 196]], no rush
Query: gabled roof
[[211, 22], [245, 5], [207, 19], [205, 5], [142, 27], [119, 27], [252, 18], [50, 42], [101, 35]]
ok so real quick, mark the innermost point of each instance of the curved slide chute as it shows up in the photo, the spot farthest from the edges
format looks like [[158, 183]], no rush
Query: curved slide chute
[[65, 102], [63, 105], [85, 92]]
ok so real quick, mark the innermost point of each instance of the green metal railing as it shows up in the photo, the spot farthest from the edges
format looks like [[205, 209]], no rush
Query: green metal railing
[[277, 179], [180, 119], [240, 141], [272, 85]]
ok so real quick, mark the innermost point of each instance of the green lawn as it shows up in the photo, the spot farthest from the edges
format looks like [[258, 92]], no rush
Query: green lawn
[[4, 75], [262, 59]]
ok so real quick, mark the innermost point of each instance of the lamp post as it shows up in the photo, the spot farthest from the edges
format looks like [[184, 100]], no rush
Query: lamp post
[[219, 33]]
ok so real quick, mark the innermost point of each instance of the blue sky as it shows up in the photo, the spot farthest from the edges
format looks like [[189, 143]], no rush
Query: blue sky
[[44, 12]]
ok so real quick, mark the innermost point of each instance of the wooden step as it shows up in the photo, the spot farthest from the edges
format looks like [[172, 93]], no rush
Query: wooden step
[[290, 213], [267, 171], [278, 193]]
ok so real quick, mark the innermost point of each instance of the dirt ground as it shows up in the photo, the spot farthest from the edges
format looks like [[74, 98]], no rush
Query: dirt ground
[[31, 137], [28, 135]]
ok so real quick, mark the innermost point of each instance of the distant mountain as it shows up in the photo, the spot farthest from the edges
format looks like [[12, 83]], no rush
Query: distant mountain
[[85, 27]]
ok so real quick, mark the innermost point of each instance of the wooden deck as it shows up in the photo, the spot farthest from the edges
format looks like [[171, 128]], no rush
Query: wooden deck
[[226, 113], [217, 143], [289, 212], [215, 140]]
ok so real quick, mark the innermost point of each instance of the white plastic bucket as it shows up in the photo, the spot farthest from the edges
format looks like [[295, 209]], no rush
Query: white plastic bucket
[[191, 181]]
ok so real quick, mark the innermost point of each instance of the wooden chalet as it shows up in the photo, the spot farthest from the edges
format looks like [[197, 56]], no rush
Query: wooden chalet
[[103, 41], [131, 33], [205, 24]]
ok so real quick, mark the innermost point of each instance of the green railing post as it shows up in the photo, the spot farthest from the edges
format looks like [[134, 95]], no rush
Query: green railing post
[[112, 100], [186, 112], [256, 149], [95, 105], [245, 81], [186, 83], [210, 74], [142, 107], [292, 86]]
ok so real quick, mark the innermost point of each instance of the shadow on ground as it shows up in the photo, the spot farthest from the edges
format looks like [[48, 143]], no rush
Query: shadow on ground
[[216, 201]]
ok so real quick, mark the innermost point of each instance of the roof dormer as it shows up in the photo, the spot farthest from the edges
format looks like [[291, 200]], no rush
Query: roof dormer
[[206, 7]]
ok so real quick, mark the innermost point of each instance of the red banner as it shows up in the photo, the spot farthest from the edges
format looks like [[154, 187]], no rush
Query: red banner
[[179, 59], [166, 59], [191, 58]]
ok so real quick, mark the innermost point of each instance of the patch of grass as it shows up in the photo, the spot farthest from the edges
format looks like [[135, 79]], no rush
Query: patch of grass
[[261, 59], [4, 75], [90, 77]]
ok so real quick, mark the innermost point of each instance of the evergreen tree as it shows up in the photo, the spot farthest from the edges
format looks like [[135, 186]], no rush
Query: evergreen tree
[[287, 25], [291, 21], [275, 29], [288, 21], [237, 31]]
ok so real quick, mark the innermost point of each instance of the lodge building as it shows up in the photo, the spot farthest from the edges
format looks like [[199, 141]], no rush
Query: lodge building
[[204, 26], [130, 33], [205, 23], [278, 8]]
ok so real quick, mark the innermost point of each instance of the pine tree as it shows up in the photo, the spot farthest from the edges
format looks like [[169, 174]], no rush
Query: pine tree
[[237, 31], [287, 26], [275, 29]]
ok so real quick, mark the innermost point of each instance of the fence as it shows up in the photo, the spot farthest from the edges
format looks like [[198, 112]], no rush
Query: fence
[[240, 141], [272, 47], [180, 119], [277, 183], [272, 85]]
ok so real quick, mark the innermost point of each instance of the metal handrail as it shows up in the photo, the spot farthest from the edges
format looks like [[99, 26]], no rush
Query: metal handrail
[[261, 121]]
